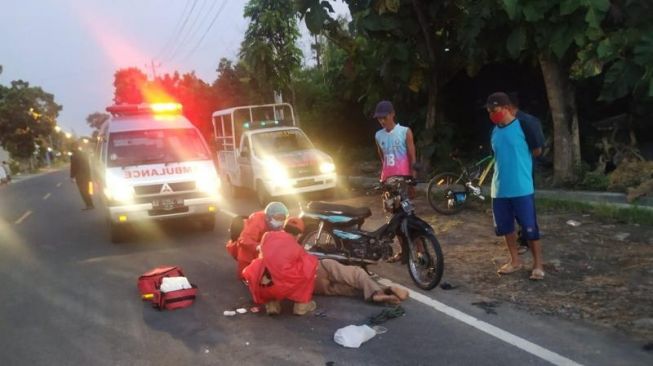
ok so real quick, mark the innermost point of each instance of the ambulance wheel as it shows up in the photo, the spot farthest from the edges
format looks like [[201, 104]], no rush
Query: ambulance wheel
[[262, 195], [118, 233], [208, 223]]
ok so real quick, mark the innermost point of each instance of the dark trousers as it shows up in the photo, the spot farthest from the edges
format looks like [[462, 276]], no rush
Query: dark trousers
[[82, 185]]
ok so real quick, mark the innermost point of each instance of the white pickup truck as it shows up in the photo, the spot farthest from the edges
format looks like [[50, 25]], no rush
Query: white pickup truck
[[260, 148]]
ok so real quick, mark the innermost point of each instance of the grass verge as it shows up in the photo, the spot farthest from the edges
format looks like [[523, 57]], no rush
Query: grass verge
[[632, 215]]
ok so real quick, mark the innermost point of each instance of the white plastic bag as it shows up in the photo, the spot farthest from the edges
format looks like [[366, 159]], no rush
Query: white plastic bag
[[174, 283], [352, 336]]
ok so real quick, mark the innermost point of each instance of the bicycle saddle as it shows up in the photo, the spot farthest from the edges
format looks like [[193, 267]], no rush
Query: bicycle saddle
[[335, 209]]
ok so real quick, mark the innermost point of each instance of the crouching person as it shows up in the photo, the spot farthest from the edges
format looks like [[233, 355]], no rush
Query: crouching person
[[243, 245], [284, 270]]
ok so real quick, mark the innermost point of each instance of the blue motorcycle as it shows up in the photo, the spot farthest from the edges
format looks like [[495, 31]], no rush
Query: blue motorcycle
[[334, 231]]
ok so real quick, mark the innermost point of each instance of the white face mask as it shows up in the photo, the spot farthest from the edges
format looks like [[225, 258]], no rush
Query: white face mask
[[275, 224]]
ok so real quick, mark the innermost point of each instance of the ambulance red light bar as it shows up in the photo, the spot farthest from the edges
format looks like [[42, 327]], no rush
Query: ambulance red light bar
[[144, 108]]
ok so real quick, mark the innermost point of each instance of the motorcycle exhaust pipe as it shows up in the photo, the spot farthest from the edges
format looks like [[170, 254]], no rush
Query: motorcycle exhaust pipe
[[339, 257]]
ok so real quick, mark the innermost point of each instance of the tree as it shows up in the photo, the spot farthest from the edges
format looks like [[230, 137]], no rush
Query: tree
[[128, 85], [270, 49], [231, 84], [552, 32], [95, 121], [27, 116], [411, 44]]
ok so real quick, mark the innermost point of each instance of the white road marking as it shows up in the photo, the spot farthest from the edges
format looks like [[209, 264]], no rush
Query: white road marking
[[490, 329], [47, 195], [22, 218], [58, 184]]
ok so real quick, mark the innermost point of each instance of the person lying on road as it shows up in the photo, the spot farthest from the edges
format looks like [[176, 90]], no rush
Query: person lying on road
[[285, 270]]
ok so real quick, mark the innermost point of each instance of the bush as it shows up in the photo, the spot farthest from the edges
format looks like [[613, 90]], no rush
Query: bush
[[593, 181], [630, 174]]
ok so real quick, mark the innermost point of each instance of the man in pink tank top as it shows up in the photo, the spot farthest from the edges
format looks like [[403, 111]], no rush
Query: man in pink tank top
[[394, 143]]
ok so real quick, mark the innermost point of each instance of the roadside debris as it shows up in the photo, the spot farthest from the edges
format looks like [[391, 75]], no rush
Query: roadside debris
[[352, 336], [229, 313], [447, 286], [386, 314], [573, 223], [621, 236], [488, 306]]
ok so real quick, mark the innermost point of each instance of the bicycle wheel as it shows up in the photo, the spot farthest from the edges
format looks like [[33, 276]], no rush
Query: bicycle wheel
[[445, 194]]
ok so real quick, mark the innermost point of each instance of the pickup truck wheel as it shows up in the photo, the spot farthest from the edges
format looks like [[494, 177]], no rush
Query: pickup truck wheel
[[118, 232], [262, 195], [231, 190], [208, 223]]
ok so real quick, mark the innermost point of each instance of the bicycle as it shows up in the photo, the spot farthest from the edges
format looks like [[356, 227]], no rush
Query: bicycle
[[448, 192]]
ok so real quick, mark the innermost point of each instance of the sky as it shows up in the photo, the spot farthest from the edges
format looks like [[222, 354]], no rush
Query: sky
[[72, 48]]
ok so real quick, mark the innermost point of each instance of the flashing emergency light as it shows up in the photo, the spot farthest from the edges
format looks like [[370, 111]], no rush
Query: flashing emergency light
[[145, 108], [165, 107]]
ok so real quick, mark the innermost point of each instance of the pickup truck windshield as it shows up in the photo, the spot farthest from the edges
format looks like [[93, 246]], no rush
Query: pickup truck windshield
[[155, 146], [279, 142]]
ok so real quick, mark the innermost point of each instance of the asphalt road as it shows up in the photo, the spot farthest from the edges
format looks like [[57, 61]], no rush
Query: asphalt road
[[69, 297]]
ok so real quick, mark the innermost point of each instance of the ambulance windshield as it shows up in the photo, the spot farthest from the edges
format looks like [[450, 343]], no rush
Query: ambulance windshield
[[155, 147]]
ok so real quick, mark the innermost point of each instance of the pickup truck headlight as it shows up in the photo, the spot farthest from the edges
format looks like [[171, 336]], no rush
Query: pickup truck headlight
[[327, 167], [276, 172], [210, 184]]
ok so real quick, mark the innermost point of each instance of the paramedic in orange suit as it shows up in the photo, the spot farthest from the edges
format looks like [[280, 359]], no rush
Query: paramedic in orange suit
[[244, 249]]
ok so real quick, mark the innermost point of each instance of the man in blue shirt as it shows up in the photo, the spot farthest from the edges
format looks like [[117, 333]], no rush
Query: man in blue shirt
[[512, 183]]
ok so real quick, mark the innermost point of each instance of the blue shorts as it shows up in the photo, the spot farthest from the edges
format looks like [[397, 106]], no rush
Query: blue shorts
[[522, 208]]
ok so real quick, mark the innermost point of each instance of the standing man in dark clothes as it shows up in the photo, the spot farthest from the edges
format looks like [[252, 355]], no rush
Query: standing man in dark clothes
[[80, 171]]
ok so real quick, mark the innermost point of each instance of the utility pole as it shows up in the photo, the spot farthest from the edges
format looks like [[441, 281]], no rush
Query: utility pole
[[153, 66]]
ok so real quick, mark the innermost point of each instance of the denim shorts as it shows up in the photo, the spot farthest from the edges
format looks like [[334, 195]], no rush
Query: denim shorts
[[522, 208]]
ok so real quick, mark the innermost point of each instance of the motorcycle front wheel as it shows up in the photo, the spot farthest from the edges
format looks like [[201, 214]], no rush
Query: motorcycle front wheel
[[425, 259], [445, 194]]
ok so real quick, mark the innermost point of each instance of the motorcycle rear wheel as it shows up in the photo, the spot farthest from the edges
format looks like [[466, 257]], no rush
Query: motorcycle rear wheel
[[425, 259], [311, 243]]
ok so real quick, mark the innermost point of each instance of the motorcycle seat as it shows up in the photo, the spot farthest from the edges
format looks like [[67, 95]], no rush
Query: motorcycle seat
[[335, 209]]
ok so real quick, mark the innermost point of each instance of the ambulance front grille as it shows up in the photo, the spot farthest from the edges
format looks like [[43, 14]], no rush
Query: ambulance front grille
[[156, 188]]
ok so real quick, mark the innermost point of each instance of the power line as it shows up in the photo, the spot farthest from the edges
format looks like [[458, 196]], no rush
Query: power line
[[206, 16], [224, 3], [183, 40], [174, 32], [183, 26]]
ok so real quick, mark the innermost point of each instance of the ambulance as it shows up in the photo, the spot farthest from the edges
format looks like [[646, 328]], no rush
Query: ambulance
[[260, 148], [153, 164]]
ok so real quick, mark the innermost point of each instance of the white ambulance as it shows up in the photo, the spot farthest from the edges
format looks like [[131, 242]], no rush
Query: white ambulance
[[153, 164], [260, 148]]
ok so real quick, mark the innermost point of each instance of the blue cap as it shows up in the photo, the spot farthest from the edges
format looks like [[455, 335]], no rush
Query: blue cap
[[276, 208], [383, 109]]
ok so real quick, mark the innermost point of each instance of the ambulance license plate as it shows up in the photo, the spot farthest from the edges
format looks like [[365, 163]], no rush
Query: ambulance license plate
[[167, 204]]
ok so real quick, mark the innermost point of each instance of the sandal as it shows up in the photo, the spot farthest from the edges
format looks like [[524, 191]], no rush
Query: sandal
[[508, 268], [537, 275]]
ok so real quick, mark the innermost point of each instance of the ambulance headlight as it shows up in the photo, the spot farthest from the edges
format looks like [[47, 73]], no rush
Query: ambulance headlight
[[209, 184], [119, 190], [327, 167]]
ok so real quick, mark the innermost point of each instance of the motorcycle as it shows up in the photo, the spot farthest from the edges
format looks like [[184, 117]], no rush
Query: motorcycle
[[334, 231]]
